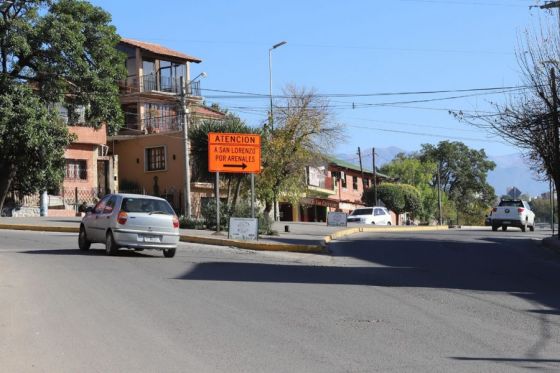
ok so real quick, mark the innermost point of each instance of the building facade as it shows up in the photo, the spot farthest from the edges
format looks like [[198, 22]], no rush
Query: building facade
[[151, 145], [337, 186]]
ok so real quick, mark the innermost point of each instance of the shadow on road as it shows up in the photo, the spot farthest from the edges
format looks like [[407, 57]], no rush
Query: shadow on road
[[519, 267]]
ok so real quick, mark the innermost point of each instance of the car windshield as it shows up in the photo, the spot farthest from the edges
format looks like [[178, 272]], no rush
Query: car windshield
[[361, 212], [147, 205]]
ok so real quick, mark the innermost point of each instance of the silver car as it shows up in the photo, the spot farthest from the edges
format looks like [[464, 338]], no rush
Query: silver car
[[131, 220]]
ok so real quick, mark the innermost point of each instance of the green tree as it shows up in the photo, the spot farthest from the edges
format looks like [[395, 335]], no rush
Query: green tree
[[463, 173], [399, 198], [304, 132], [32, 143], [64, 50], [411, 170], [199, 153], [541, 207]]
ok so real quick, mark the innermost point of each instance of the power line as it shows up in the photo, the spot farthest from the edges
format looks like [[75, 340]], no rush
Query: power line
[[252, 95], [426, 134]]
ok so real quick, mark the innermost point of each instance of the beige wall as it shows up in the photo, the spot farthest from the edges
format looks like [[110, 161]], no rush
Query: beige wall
[[132, 163]]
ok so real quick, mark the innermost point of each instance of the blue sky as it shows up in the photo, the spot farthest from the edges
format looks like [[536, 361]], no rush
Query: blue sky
[[351, 48]]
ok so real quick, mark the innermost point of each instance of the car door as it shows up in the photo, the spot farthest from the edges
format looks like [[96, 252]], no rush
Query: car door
[[91, 221], [104, 220], [377, 216]]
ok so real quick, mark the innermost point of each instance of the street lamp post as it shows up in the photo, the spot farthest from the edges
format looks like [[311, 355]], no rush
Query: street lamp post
[[270, 81], [271, 117], [187, 205]]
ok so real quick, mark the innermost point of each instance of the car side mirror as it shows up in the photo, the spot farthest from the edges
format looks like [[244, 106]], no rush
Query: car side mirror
[[89, 210]]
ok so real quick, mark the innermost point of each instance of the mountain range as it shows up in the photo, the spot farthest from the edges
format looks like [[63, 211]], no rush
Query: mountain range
[[511, 170]]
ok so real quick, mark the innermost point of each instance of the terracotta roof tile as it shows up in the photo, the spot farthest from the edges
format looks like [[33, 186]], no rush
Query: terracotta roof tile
[[208, 112], [159, 49]]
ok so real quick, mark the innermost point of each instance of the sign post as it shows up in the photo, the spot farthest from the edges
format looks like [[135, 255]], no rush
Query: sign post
[[234, 153]]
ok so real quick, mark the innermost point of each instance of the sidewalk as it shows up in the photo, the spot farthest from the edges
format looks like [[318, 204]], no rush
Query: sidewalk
[[292, 236]]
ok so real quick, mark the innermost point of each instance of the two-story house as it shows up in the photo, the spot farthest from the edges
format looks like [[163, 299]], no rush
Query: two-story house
[[337, 186], [151, 147]]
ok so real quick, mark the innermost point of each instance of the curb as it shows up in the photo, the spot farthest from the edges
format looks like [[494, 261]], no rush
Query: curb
[[40, 228], [186, 238], [350, 231], [249, 245]]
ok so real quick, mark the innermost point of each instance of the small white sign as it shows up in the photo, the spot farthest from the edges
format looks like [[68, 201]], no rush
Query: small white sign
[[243, 228], [337, 219]]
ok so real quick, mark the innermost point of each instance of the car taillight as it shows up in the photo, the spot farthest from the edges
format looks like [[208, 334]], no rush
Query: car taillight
[[175, 221], [495, 209], [122, 217], [520, 210]]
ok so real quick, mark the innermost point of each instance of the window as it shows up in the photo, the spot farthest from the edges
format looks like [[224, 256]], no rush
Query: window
[[366, 183], [76, 169], [155, 159], [108, 209], [355, 182], [343, 179], [98, 209]]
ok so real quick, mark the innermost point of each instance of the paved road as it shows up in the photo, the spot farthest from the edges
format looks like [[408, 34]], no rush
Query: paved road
[[456, 301]]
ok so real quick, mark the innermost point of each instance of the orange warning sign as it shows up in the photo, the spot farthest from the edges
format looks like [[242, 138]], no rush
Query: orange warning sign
[[234, 153]]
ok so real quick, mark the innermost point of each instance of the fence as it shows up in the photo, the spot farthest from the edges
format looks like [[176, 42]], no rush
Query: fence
[[74, 197]]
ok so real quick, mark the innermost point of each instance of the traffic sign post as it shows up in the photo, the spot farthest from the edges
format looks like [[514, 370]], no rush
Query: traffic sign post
[[234, 153]]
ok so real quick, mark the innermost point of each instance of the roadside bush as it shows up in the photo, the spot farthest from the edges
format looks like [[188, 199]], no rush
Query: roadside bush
[[186, 223]]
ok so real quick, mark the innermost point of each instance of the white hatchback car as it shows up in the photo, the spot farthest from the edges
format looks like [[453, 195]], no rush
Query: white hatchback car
[[131, 220], [370, 215]]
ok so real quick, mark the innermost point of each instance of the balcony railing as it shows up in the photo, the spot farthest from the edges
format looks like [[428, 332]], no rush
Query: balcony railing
[[161, 124], [156, 83]]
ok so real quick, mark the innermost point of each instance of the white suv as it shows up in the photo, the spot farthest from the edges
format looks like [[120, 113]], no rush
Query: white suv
[[370, 215]]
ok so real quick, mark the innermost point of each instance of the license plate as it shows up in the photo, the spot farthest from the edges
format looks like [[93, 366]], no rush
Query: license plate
[[149, 238]]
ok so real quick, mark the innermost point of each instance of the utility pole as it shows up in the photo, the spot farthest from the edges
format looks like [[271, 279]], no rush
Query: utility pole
[[555, 121], [374, 176], [184, 125], [439, 195], [361, 170]]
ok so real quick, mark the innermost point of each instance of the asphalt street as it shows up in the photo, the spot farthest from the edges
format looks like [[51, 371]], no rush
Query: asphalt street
[[448, 301]]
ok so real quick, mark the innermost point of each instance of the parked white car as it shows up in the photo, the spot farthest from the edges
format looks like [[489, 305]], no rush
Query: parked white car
[[377, 215], [131, 220], [512, 213]]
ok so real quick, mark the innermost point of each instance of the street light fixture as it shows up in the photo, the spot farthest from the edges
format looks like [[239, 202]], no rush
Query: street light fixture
[[187, 210], [271, 118], [270, 79]]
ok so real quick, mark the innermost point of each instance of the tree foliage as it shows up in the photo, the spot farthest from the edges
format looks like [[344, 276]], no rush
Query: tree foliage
[[304, 132], [32, 143], [529, 119], [463, 173], [411, 170], [399, 198], [198, 135], [65, 51]]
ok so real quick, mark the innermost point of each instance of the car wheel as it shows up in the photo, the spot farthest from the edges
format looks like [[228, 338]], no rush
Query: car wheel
[[83, 242], [532, 228], [524, 227], [504, 227], [111, 247], [494, 228], [388, 223], [169, 253]]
